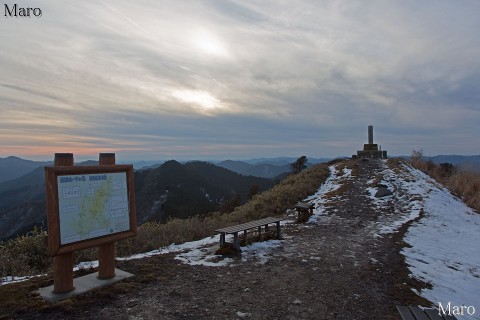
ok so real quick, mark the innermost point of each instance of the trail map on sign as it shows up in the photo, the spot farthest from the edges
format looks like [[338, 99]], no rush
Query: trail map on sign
[[92, 205]]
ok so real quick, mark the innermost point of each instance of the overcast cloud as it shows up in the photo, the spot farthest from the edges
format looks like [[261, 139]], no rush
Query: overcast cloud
[[239, 79]]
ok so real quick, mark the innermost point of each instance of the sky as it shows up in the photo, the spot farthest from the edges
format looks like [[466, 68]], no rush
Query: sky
[[153, 79]]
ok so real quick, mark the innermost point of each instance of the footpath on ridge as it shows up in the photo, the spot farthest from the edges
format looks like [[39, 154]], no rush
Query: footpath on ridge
[[340, 265]]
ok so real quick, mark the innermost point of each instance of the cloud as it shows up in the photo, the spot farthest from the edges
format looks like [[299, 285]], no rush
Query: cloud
[[241, 77]]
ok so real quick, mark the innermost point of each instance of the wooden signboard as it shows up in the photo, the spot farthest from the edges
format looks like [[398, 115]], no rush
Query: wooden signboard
[[89, 206]]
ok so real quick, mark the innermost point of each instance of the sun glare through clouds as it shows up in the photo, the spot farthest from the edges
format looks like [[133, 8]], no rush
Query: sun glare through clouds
[[201, 99], [210, 44]]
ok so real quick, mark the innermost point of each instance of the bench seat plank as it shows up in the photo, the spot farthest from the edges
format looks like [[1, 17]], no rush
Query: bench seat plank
[[433, 314], [415, 313], [304, 205], [405, 313], [418, 313], [249, 225], [447, 317]]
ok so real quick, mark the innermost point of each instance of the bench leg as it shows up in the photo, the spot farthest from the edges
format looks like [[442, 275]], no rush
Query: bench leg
[[266, 228], [222, 240], [260, 233], [279, 233], [236, 241], [245, 236]]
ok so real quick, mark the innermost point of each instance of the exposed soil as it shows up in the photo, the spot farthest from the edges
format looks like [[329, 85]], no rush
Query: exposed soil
[[336, 269]]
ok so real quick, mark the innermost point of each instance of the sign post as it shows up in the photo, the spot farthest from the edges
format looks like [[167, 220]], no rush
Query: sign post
[[106, 252], [87, 206], [62, 264]]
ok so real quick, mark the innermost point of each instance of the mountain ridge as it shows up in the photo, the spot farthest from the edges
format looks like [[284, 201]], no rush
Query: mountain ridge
[[13, 167], [173, 190]]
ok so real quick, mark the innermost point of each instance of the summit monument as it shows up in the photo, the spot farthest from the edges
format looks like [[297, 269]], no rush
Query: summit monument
[[370, 149]]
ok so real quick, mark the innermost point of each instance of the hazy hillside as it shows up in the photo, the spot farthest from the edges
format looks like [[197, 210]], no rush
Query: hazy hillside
[[266, 167], [138, 165], [22, 203], [171, 190], [471, 163], [258, 170], [468, 162], [282, 161], [14, 167], [176, 190]]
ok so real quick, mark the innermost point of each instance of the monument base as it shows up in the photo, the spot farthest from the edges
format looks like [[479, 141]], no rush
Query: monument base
[[82, 285], [372, 154]]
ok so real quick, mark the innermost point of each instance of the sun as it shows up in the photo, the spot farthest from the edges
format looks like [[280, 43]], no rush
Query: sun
[[207, 43]]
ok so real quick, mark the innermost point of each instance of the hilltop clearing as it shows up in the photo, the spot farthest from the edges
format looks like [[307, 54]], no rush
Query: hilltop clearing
[[356, 258]]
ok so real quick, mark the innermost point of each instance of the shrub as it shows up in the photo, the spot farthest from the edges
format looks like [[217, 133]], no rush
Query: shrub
[[25, 255]]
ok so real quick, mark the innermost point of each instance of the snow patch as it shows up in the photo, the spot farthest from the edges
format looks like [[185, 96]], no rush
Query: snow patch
[[445, 248], [319, 200]]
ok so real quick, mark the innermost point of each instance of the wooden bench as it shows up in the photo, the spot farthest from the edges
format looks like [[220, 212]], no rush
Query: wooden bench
[[415, 313], [304, 210], [245, 227]]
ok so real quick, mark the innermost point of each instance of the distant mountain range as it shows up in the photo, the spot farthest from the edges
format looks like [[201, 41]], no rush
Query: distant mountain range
[[173, 190], [265, 167], [281, 161], [463, 162], [259, 170], [14, 167], [467, 162]]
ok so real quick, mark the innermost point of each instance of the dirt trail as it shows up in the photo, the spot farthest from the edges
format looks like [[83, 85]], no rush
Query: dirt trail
[[337, 268]]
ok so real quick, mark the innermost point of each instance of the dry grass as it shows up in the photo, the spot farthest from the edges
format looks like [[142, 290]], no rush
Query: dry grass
[[352, 165], [25, 255], [18, 298], [395, 164], [463, 183], [28, 255], [340, 191], [345, 183], [466, 185]]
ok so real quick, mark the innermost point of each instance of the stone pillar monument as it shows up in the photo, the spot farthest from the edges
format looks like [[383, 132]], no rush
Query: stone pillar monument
[[370, 149]]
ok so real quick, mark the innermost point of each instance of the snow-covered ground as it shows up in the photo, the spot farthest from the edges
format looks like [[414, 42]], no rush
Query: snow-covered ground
[[445, 248], [445, 242], [331, 184]]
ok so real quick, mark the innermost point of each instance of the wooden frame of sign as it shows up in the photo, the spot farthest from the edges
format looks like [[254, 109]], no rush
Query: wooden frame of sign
[[57, 244], [97, 204]]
